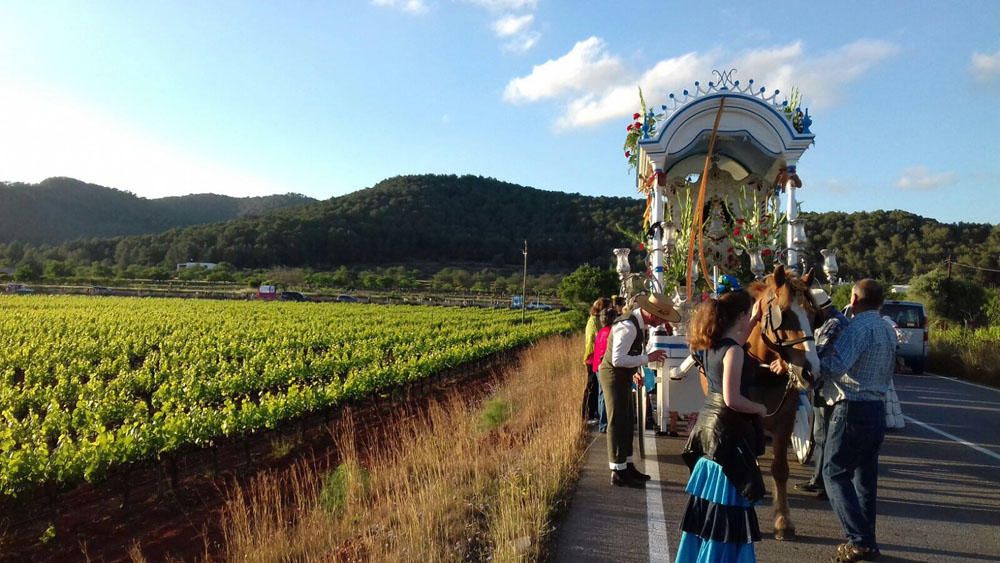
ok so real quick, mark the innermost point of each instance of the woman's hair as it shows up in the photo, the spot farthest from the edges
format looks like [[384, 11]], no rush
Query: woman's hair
[[617, 301], [601, 304], [714, 317], [607, 317]]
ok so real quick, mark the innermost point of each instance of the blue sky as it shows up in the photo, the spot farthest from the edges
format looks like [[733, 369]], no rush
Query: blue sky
[[324, 98]]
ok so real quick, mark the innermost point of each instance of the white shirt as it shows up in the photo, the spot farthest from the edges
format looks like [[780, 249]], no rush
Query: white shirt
[[623, 335]]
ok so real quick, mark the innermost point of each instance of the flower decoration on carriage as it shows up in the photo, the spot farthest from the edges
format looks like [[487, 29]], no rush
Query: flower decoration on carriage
[[643, 126], [758, 227]]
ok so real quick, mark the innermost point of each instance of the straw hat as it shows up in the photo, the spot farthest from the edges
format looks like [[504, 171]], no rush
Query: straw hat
[[659, 305]]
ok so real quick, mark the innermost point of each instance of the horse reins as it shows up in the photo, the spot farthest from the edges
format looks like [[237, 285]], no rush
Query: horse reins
[[779, 345]]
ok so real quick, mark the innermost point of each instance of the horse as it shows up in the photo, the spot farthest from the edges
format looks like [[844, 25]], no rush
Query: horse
[[785, 330]]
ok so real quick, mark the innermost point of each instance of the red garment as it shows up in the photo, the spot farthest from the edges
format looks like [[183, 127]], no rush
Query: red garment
[[600, 347]]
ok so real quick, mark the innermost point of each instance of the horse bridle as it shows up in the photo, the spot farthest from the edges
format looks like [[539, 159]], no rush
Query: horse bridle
[[779, 345]]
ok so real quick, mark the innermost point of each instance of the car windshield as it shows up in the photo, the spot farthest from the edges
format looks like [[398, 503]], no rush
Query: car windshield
[[905, 316]]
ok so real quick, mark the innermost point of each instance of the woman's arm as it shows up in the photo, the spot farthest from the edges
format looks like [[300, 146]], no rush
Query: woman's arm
[[732, 369]]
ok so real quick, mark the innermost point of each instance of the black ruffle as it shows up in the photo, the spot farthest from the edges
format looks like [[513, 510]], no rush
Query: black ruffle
[[719, 522]]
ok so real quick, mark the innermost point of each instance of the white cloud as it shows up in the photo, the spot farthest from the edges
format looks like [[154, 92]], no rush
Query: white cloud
[[522, 43], [505, 5], [920, 178], [587, 67], [622, 99], [46, 135], [409, 6], [512, 25], [985, 65], [602, 89]]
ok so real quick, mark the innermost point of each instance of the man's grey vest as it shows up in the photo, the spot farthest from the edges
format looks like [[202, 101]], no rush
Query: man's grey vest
[[635, 349]]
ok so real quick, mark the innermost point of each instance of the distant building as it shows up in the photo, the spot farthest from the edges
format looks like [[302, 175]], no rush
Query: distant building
[[206, 265]]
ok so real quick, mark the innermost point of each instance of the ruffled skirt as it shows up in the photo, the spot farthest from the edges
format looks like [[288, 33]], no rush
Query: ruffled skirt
[[719, 524], [893, 411]]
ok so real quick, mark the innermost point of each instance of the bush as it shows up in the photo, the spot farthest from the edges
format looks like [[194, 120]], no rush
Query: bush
[[842, 295], [495, 413], [967, 353], [348, 481], [586, 284], [956, 300]]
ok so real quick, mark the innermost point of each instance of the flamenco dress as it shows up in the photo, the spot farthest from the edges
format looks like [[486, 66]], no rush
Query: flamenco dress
[[719, 523]]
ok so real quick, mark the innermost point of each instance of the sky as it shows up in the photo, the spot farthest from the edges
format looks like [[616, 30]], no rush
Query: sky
[[327, 97]]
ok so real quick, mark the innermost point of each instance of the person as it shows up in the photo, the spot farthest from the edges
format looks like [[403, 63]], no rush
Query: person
[[625, 354], [893, 410], [719, 522], [826, 335], [590, 399], [605, 319], [856, 378]]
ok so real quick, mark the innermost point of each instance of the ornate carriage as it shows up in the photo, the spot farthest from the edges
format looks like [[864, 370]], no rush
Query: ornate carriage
[[718, 165]]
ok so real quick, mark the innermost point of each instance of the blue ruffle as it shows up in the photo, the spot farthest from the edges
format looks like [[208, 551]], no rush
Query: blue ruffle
[[710, 483], [693, 549]]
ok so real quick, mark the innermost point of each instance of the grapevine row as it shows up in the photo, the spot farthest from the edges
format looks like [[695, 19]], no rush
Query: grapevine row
[[88, 384]]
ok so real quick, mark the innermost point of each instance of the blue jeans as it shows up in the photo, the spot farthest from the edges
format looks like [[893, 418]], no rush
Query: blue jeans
[[821, 419], [850, 466], [602, 412]]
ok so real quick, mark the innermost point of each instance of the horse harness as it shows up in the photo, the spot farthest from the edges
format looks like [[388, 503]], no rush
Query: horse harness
[[779, 345]]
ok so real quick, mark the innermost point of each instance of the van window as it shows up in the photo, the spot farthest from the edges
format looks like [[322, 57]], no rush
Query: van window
[[905, 316]]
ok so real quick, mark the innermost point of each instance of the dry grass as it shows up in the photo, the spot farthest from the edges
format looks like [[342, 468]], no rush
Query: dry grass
[[464, 482]]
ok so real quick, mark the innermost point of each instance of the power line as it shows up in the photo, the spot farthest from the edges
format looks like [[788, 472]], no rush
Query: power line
[[974, 267]]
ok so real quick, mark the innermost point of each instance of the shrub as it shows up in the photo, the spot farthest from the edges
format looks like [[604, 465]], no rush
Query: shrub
[[957, 300], [348, 481], [495, 413], [586, 284]]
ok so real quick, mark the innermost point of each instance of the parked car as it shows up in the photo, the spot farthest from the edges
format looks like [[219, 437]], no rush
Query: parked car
[[539, 306], [292, 296], [98, 290], [911, 319], [18, 289], [347, 299]]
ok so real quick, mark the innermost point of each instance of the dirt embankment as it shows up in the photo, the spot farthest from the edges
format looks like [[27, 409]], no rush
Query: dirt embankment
[[170, 508]]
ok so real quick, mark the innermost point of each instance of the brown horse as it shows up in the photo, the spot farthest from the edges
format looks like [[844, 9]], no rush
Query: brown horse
[[785, 331]]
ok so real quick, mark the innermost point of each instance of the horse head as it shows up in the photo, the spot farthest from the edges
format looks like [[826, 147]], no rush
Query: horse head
[[785, 328]]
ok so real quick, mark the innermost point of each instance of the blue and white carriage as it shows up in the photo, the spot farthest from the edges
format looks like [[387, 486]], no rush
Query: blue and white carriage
[[720, 160]]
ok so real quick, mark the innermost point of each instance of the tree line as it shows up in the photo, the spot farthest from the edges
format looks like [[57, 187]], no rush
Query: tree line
[[439, 221]]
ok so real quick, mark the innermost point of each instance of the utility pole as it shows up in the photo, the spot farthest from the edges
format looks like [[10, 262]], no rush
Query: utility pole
[[524, 284]]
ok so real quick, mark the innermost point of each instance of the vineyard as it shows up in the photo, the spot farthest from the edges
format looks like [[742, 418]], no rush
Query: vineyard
[[90, 384]]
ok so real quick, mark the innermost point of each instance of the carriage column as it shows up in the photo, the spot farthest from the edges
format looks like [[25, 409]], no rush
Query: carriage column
[[796, 231], [655, 242]]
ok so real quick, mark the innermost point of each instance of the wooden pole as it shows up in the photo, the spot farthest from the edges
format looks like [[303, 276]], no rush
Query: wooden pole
[[524, 284], [696, 218]]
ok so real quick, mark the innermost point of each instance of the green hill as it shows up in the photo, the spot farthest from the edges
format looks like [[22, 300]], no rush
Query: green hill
[[61, 209], [437, 221]]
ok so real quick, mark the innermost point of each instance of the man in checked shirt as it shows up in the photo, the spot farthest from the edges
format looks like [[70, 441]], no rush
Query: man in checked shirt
[[834, 322], [855, 379]]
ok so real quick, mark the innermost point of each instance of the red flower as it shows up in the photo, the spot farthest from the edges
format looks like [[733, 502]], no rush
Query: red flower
[[629, 128], [736, 232], [763, 232], [636, 116], [740, 220], [766, 252], [627, 154], [749, 236], [642, 246]]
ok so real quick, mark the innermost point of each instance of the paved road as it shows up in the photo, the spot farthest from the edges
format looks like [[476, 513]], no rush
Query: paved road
[[939, 491]]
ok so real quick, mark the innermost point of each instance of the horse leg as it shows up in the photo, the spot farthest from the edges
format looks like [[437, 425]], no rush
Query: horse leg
[[784, 529]]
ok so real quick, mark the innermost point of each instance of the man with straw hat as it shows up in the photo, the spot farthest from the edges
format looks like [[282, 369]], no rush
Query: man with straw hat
[[625, 354]]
